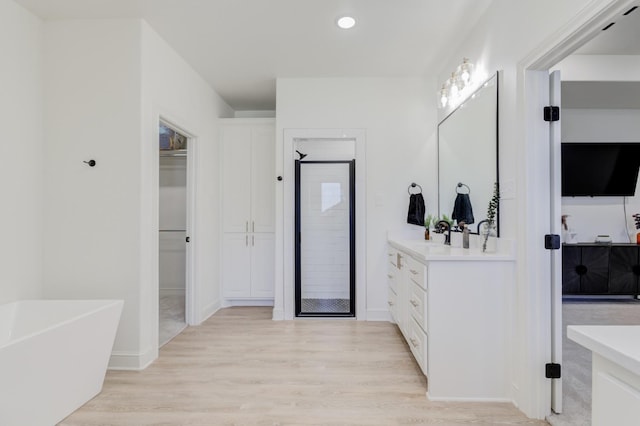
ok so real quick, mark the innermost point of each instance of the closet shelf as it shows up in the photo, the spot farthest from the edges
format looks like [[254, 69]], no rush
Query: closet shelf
[[173, 153]]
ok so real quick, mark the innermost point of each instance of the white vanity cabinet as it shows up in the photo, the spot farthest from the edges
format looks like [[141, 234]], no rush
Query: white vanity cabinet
[[615, 371], [453, 310], [247, 148]]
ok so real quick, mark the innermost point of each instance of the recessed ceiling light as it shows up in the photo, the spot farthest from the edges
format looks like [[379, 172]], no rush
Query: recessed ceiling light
[[346, 22]]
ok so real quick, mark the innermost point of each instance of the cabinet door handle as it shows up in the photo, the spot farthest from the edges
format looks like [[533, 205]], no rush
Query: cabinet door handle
[[253, 240], [390, 276], [246, 226], [390, 303], [413, 272], [414, 303], [253, 226], [390, 254], [414, 342], [246, 240]]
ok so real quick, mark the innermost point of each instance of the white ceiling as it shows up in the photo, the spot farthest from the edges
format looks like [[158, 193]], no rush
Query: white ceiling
[[241, 46], [622, 38]]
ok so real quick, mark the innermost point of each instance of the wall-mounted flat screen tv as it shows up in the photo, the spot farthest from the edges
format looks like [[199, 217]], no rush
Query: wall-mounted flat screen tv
[[599, 169]]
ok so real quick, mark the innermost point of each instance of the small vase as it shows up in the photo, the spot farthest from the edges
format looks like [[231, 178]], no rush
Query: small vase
[[638, 238], [427, 235], [489, 238]]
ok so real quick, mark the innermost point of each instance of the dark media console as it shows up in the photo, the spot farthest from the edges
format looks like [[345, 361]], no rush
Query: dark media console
[[600, 269]]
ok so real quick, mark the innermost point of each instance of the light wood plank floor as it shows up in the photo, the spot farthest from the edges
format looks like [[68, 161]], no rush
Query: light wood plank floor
[[242, 368]]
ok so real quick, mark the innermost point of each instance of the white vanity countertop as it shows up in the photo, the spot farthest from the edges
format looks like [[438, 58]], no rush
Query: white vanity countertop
[[617, 343], [436, 251]]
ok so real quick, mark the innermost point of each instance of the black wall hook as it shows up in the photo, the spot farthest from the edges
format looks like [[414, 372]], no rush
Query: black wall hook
[[91, 163]]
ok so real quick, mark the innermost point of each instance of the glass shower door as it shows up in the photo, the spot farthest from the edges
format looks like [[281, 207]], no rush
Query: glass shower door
[[325, 246]]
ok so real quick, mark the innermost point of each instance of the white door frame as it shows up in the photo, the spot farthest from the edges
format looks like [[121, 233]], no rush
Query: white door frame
[[284, 297], [533, 88], [192, 313]]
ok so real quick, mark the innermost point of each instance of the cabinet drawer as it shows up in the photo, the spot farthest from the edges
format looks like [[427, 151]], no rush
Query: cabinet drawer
[[392, 301], [418, 305], [392, 255], [417, 340], [416, 271], [392, 279]]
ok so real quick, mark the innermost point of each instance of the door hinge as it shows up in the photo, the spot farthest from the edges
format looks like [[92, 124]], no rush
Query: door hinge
[[552, 242], [551, 113], [552, 371]]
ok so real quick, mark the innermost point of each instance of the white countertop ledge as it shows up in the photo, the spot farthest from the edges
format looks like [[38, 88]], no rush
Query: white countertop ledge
[[617, 343], [436, 251]]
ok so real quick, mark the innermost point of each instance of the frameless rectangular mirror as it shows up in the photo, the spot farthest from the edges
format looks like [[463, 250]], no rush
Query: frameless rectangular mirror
[[468, 156]]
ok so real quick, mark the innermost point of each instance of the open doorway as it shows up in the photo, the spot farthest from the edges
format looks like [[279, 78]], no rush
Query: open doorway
[[600, 117], [587, 310], [172, 235]]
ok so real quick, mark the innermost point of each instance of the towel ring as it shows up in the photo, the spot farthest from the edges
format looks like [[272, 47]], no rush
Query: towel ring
[[460, 185], [413, 185]]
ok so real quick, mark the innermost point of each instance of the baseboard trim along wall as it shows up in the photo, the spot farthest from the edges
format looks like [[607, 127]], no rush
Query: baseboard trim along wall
[[247, 302], [378, 316], [130, 360], [278, 315], [209, 310]]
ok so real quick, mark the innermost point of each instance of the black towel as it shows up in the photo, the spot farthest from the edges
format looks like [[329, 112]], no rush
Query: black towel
[[462, 211], [416, 210]]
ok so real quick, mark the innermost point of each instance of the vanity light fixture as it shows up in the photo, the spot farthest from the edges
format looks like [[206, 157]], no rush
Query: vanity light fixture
[[456, 86], [443, 96], [346, 22]]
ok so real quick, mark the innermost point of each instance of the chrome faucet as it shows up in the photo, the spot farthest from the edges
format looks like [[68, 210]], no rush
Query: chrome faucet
[[447, 237]]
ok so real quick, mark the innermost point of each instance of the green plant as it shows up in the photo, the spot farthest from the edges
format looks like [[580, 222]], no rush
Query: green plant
[[429, 220], [447, 219], [491, 214]]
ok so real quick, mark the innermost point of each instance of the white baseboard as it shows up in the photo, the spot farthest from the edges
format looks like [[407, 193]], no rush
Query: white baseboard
[[438, 399], [131, 361], [209, 310], [172, 292], [248, 302], [379, 316], [278, 315]]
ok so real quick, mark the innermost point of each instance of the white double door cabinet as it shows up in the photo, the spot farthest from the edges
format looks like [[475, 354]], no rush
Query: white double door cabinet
[[248, 208]]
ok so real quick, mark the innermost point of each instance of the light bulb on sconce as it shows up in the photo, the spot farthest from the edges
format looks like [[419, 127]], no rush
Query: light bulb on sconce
[[456, 86], [465, 70], [453, 86], [443, 96]]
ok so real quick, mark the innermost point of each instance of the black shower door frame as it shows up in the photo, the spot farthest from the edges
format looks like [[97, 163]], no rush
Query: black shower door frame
[[352, 242]]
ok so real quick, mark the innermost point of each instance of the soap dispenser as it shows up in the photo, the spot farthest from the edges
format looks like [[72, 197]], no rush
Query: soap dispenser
[[465, 237]]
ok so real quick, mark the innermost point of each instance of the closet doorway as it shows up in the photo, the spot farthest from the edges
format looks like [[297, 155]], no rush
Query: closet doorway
[[173, 237]]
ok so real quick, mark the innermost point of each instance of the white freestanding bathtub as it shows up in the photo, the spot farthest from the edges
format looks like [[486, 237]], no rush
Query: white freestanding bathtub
[[53, 357]]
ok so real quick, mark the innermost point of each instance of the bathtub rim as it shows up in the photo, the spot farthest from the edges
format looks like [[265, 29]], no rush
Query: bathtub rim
[[106, 304]]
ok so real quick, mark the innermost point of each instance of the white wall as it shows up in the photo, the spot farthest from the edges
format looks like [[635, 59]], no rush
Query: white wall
[[510, 36], [107, 82], [399, 120], [92, 111], [591, 216], [171, 89], [21, 162]]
